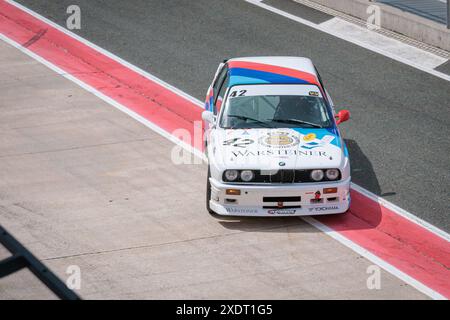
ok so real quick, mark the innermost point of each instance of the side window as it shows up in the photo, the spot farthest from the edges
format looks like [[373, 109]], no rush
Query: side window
[[321, 84], [219, 89], [318, 76], [218, 82]]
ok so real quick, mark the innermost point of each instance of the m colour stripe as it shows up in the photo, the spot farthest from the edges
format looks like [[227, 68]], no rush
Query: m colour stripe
[[415, 254]]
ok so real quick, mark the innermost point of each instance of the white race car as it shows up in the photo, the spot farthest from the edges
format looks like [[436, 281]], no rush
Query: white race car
[[272, 141]]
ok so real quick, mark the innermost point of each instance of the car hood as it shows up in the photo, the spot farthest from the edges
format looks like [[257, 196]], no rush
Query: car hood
[[271, 149]]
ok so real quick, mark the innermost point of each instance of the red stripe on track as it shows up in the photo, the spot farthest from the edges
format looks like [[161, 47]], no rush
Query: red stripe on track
[[141, 95], [398, 241], [407, 246]]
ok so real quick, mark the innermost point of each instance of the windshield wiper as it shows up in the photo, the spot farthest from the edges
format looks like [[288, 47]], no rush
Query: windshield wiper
[[315, 125], [265, 124]]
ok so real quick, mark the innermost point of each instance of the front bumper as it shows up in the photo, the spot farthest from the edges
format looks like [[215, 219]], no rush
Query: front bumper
[[270, 200]]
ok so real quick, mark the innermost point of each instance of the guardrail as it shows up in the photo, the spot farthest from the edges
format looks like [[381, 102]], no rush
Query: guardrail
[[22, 258]]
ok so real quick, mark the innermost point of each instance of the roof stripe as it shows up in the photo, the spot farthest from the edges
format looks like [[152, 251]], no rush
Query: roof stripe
[[305, 77], [247, 76]]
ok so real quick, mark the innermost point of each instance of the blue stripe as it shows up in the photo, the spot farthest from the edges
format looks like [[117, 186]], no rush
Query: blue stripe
[[320, 133], [240, 76]]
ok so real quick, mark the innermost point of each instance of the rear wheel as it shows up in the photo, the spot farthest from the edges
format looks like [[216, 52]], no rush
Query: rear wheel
[[208, 194]]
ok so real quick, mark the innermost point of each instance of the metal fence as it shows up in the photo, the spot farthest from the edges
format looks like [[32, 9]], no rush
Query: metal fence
[[22, 258]]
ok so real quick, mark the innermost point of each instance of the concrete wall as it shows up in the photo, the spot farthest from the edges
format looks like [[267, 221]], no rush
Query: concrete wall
[[394, 19]]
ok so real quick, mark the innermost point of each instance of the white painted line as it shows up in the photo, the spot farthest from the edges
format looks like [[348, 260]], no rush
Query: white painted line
[[401, 212], [105, 98], [395, 47], [108, 54], [348, 243], [336, 34], [374, 259], [386, 203]]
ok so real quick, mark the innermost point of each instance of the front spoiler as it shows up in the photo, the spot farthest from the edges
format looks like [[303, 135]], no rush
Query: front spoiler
[[251, 204]]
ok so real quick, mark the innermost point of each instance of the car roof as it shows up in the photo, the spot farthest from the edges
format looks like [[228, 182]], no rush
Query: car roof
[[271, 70]]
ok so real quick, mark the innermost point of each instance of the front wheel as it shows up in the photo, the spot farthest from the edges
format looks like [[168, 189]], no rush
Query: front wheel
[[208, 194]]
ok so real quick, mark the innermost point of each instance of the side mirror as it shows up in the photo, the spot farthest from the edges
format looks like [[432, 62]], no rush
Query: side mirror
[[208, 116], [342, 116]]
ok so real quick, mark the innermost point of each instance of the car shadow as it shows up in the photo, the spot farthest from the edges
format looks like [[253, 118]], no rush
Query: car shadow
[[361, 168], [363, 213], [266, 224]]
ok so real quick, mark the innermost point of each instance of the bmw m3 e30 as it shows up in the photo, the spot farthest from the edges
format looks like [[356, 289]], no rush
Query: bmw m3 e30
[[272, 141]]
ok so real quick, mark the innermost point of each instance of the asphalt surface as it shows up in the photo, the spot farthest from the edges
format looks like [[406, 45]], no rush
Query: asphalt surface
[[445, 67], [300, 10], [83, 184], [398, 135]]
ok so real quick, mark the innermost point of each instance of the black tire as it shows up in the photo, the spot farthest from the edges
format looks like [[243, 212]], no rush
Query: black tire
[[208, 195]]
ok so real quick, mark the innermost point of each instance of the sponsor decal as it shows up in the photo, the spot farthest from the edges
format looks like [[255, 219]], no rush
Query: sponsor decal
[[279, 140], [311, 142], [309, 137], [238, 142], [321, 209], [241, 210], [281, 211], [279, 153], [314, 93]]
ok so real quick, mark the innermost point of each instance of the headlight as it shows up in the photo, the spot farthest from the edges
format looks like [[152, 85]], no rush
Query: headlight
[[332, 174], [316, 175], [231, 175], [247, 175]]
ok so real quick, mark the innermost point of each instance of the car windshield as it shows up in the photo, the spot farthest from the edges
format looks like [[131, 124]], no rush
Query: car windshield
[[275, 106]]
